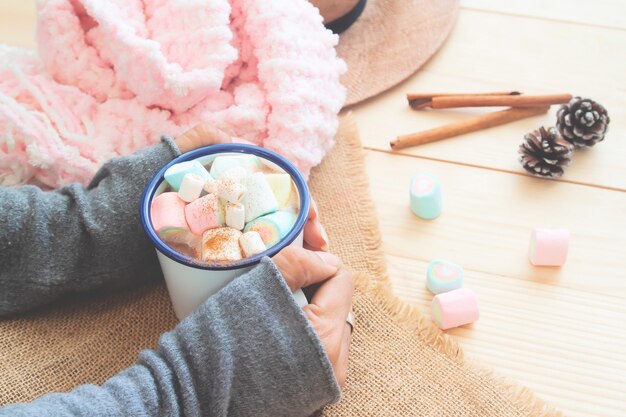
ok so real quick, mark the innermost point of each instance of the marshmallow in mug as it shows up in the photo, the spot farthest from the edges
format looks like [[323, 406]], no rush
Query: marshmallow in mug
[[176, 173], [239, 193], [225, 163], [272, 227]]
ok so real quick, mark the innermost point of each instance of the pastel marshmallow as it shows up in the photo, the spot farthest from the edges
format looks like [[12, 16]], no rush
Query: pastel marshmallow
[[455, 308], [211, 186], [231, 190], [236, 174], [235, 216], [425, 196], [272, 227], [281, 187], [548, 247], [202, 214], [179, 236], [224, 163], [174, 175], [251, 244], [443, 276], [167, 210], [259, 199], [191, 187], [221, 244]]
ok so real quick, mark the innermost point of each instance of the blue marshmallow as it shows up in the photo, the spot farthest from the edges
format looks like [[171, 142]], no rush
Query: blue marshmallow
[[175, 174], [425, 196], [443, 276]]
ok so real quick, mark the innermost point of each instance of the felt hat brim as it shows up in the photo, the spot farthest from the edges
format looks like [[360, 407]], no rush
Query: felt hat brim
[[390, 41]]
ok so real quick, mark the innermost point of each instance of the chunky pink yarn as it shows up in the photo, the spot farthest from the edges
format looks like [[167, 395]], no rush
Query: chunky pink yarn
[[112, 76]]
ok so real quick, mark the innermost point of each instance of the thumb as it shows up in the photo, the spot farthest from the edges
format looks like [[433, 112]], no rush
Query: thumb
[[301, 268]]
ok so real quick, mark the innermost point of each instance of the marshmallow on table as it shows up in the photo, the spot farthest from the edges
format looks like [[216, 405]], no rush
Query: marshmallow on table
[[443, 276], [281, 187], [224, 163], [202, 214], [251, 243], [221, 244], [548, 247], [167, 210], [231, 190], [259, 198], [454, 308], [191, 187], [425, 195], [235, 216], [174, 175], [272, 227]]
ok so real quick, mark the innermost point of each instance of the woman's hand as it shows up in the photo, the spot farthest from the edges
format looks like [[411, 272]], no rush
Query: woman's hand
[[301, 268], [331, 302], [200, 135]]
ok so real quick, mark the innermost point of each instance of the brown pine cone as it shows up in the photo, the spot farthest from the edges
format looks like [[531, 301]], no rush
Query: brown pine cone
[[544, 153], [582, 122]]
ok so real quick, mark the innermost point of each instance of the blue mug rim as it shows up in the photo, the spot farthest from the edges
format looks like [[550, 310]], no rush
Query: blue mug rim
[[157, 179]]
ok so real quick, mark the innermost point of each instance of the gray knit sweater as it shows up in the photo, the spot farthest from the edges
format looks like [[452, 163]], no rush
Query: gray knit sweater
[[249, 350]]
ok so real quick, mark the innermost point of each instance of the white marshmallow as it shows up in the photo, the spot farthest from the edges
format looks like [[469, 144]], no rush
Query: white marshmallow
[[236, 174], [230, 190], [191, 187], [235, 216], [221, 244], [224, 163], [259, 199], [251, 244], [211, 186]]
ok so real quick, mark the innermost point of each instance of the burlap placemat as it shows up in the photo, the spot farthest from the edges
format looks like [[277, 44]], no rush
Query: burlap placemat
[[400, 364]]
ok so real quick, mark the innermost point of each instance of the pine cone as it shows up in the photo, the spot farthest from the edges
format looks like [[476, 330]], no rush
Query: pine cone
[[544, 153], [582, 122]]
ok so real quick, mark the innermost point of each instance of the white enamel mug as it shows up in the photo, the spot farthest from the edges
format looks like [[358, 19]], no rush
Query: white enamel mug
[[189, 281]]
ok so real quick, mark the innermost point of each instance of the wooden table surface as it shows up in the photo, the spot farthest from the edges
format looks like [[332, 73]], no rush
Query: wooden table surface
[[559, 331]]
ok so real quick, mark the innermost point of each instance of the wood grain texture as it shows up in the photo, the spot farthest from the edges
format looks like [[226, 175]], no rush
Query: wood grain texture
[[529, 332], [488, 216], [493, 52], [605, 13]]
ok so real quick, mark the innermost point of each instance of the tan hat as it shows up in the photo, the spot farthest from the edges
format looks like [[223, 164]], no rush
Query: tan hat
[[390, 40]]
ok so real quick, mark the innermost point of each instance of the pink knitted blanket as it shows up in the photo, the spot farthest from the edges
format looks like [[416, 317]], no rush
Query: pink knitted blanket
[[112, 76]]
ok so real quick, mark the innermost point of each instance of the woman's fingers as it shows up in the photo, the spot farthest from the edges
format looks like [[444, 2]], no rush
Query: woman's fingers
[[327, 313], [301, 267], [200, 135], [335, 295], [315, 237]]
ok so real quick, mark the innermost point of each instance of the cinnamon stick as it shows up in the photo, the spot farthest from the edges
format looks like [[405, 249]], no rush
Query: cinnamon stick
[[422, 100], [446, 102], [465, 126]]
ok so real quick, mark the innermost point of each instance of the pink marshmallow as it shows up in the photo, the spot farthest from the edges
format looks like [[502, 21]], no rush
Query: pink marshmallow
[[202, 214], [548, 247], [168, 211], [455, 308]]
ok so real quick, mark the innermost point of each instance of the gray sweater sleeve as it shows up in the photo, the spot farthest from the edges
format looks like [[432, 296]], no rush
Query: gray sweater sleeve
[[247, 351], [78, 238]]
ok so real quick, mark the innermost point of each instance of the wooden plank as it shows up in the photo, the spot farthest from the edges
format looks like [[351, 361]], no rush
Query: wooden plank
[[564, 344], [606, 13], [17, 23], [488, 217], [488, 52]]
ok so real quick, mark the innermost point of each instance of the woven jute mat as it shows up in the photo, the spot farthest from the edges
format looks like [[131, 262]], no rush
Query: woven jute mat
[[400, 364]]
